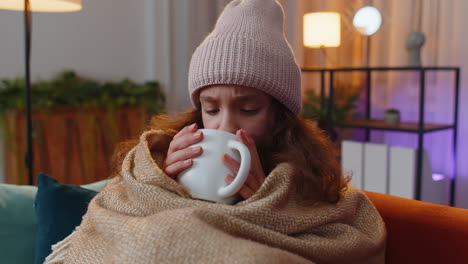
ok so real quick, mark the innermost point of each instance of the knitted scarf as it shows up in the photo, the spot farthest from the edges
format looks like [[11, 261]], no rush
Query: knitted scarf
[[146, 217]]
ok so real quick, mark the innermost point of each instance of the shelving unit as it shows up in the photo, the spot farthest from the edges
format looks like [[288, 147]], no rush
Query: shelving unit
[[419, 128]]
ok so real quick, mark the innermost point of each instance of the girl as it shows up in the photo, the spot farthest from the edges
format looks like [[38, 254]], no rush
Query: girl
[[296, 206]]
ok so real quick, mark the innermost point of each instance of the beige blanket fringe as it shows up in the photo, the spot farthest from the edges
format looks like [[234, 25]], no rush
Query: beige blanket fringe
[[146, 217]]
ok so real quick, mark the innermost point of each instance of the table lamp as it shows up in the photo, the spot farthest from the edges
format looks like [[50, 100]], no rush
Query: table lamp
[[322, 30], [36, 6]]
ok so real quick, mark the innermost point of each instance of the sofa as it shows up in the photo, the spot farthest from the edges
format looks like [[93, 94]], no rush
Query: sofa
[[418, 232]]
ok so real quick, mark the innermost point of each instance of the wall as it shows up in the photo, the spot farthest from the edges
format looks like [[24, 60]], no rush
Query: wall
[[105, 40]]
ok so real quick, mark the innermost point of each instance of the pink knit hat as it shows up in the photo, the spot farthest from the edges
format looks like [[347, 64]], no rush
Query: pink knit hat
[[248, 47]]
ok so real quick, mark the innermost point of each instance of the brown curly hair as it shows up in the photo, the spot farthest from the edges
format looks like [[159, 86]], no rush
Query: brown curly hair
[[318, 175]]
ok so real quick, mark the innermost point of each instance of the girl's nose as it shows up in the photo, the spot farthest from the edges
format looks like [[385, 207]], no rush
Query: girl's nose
[[228, 124]]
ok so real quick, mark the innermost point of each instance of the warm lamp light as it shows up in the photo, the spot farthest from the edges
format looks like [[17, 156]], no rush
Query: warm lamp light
[[43, 5], [322, 29]]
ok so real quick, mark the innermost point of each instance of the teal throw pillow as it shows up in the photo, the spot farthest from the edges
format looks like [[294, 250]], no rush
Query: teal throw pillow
[[59, 209], [17, 223]]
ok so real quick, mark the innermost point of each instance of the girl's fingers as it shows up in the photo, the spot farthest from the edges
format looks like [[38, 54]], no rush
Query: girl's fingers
[[247, 139], [184, 141], [174, 169], [188, 129], [256, 164], [184, 154], [233, 165], [180, 151], [246, 192]]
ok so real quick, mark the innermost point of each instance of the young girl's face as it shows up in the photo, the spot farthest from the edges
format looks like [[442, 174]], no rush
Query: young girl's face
[[233, 107]]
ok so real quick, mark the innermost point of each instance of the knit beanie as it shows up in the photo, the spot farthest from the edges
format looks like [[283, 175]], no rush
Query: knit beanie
[[248, 47]]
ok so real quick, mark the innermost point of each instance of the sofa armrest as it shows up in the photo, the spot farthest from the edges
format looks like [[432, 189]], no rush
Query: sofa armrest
[[420, 232]]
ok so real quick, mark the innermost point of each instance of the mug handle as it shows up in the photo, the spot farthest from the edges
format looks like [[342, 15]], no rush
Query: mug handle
[[243, 173]]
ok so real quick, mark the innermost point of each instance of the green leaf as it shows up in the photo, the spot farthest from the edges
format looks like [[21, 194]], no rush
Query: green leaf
[[68, 88], [315, 107]]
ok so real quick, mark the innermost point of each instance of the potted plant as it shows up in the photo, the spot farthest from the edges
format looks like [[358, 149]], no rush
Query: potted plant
[[76, 124], [392, 116], [315, 108]]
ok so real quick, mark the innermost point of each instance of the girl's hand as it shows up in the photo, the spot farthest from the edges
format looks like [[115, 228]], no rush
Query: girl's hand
[[256, 176], [179, 155]]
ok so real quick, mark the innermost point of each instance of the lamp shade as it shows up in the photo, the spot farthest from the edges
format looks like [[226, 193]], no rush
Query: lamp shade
[[367, 20], [43, 5], [322, 29]]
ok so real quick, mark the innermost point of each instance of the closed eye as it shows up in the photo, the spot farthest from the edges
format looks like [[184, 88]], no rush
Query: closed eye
[[212, 111], [250, 111]]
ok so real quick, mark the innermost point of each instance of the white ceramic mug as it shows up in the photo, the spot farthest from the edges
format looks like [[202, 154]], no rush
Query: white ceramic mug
[[205, 178]]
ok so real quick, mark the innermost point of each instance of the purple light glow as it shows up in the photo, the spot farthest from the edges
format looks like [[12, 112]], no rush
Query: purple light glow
[[438, 177]]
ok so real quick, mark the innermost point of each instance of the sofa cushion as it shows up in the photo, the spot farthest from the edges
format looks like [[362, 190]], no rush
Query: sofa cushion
[[59, 209], [96, 186], [17, 223]]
